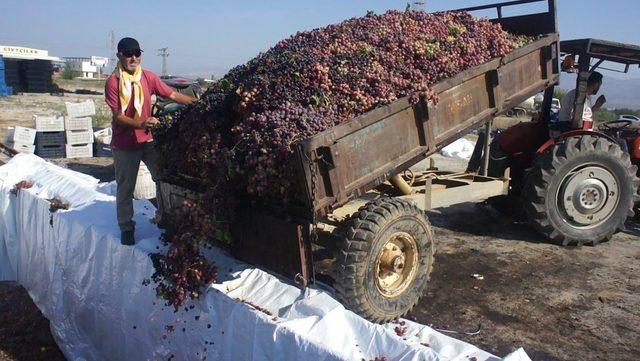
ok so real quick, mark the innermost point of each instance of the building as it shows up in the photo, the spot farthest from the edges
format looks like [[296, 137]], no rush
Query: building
[[27, 69], [88, 68]]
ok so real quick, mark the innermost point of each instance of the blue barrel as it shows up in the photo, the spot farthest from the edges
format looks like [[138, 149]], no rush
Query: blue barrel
[[4, 89]]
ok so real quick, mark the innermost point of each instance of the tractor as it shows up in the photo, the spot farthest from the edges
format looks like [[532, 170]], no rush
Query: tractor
[[575, 182]]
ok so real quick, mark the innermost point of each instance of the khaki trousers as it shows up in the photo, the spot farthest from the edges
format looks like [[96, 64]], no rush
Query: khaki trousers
[[127, 163]]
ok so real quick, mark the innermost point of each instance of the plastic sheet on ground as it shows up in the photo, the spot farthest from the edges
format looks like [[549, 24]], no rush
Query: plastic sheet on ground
[[91, 289], [461, 148]]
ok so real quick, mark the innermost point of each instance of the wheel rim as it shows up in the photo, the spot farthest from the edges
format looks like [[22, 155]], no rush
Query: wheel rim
[[588, 196], [396, 264]]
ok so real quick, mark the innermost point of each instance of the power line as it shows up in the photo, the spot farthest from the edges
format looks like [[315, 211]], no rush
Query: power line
[[164, 53]]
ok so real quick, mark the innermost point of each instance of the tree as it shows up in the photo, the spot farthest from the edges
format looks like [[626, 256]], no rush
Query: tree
[[68, 72], [605, 115], [559, 93]]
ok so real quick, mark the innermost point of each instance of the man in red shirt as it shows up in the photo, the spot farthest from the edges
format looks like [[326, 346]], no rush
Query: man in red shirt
[[128, 93]]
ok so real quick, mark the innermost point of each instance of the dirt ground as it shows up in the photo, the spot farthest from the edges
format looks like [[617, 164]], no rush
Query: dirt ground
[[24, 332], [558, 303]]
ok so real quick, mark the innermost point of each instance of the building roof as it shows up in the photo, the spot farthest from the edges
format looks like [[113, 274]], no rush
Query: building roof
[[21, 52]]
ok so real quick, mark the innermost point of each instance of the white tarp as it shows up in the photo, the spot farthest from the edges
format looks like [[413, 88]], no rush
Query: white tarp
[[90, 288], [461, 148]]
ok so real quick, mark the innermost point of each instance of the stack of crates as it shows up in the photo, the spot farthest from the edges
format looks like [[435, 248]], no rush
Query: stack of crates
[[49, 136], [4, 89], [79, 129], [21, 139]]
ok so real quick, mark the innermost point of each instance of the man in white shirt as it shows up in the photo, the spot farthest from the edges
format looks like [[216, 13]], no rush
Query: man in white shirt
[[593, 86]]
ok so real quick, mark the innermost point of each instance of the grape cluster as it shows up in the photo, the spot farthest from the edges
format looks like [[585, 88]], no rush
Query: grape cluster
[[237, 140], [314, 80], [20, 185]]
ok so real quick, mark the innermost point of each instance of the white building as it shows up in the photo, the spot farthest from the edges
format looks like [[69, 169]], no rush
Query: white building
[[88, 68]]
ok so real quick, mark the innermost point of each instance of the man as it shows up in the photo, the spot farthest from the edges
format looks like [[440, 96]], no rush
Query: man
[[128, 93], [566, 107]]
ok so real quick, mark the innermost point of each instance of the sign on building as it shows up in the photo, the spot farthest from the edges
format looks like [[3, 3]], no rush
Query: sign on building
[[99, 61]]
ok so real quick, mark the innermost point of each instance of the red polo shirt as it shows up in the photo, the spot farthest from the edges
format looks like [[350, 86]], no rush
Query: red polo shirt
[[125, 137]]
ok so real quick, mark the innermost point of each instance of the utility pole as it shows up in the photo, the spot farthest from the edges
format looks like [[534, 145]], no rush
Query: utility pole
[[164, 53], [419, 5], [112, 57]]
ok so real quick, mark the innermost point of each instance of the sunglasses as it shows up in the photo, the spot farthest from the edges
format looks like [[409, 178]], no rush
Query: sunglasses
[[130, 53]]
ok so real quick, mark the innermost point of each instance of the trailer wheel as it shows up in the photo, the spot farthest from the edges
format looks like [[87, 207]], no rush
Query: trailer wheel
[[385, 259], [581, 191]]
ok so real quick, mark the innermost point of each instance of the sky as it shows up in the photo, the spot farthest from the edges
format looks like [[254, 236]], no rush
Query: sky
[[209, 37]]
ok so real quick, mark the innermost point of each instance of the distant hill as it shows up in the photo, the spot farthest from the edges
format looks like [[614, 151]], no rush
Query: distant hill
[[620, 93]]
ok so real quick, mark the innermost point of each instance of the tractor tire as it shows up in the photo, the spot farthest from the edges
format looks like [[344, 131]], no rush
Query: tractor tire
[[581, 191], [383, 265]]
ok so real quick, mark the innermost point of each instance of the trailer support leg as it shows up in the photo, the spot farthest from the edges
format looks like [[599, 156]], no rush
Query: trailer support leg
[[487, 143]]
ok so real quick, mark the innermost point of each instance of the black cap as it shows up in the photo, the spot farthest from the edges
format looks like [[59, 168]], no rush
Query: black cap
[[128, 44]]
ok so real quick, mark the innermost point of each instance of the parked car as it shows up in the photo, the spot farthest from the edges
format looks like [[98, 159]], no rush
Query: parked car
[[180, 84], [555, 105], [630, 117]]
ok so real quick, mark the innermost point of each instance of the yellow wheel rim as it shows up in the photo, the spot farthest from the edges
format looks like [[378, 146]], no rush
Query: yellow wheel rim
[[396, 264]]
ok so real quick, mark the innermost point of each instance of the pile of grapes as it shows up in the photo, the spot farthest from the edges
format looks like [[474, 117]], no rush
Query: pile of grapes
[[237, 140]]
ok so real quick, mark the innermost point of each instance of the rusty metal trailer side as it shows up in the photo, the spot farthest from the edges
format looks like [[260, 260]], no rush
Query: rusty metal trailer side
[[352, 158]]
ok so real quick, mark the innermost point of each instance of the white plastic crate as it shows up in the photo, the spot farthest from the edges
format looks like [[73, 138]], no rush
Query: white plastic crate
[[10, 131], [21, 135], [83, 123], [86, 108], [79, 136], [22, 148], [79, 151], [48, 123], [145, 186], [103, 133], [103, 146]]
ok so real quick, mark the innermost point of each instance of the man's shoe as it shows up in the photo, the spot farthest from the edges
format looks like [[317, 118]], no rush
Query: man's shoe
[[126, 238], [163, 224], [159, 220]]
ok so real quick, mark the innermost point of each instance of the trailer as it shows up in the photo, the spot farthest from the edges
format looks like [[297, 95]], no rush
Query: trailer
[[366, 203]]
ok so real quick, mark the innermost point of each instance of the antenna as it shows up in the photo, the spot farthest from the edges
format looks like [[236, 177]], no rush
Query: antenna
[[164, 53]]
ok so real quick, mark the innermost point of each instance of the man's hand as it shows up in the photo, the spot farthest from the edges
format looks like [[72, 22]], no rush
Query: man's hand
[[599, 102], [150, 122]]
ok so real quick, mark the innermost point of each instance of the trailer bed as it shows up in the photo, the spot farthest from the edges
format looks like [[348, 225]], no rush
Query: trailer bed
[[350, 159]]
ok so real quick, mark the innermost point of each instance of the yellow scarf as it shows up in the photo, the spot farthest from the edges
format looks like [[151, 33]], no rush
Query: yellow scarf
[[126, 83]]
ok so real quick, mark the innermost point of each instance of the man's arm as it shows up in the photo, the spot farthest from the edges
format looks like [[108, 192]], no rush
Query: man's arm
[[181, 98], [165, 91], [599, 103], [122, 119]]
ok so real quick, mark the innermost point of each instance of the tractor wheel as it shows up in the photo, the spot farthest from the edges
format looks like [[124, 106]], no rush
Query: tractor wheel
[[383, 265], [581, 191]]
